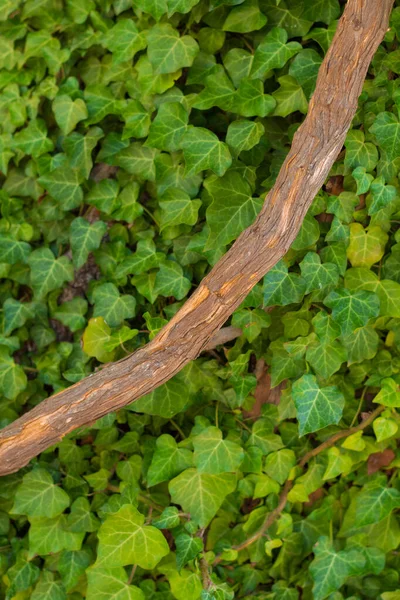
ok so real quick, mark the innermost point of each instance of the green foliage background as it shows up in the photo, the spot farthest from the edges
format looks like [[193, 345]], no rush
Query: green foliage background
[[137, 141]]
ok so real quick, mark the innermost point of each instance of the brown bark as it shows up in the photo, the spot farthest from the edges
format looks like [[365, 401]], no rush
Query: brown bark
[[315, 147]]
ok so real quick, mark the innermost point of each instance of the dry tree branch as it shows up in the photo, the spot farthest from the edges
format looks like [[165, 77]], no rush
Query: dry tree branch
[[315, 146]]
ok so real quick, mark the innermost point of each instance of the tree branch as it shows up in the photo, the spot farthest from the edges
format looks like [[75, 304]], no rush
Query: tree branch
[[315, 146]]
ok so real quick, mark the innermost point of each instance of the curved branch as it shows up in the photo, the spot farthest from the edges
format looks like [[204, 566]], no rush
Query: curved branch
[[315, 146]]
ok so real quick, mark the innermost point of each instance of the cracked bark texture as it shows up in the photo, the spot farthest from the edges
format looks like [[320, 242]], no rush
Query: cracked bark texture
[[315, 147]]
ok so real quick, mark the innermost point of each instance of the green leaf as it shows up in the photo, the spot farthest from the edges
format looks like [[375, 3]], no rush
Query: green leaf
[[305, 68], [338, 462], [48, 588], [316, 407], [213, 454], [322, 10], [167, 51], [361, 344], [279, 464], [155, 8], [63, 184], [125, 540], [232, 209], [95, 336], [187, 548], [72, 565], [69, 112], [137, 160], [273, 53], [144, 259], [289, 97], [360, 153], [168, 460], [202, 150], [170, 281], [104, 196], [48, 536], [281, 287], [168, 127], [15, 314], [38, 496], [382, 195], [13, 251], [386, 129], [33, 139], [13, 380], [251, 101], [352, 309], [244, 134], [374, 504], [326, 358], [109, 304], [47, 272], [384, 428], [245, 18], [124, 40], [177, 208], [85, 238], [201, 494], [389, 394], [330, 569], [165, 401], [111, 583], [317, 275], [79, 149]]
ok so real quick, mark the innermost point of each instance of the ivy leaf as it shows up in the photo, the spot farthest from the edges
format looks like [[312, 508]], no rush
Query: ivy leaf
[[48, 536], [177, 208], [16, 314], [326, 358], [48, 588], [94, 339], [144, 259], [361, 344], [167, 51], [12, 377], [322, 11], [104, 196], [85, 238], [389, 394], [244, 134], [168, 460], [381, 194], [289, 97], [232, 208], [170, 281], [110, 583], [281, 287], [279, 464], [213, 454], [374, 504], [273, 53], [81, 519], [316, 407], [245, 18], [47, 272], [330, 569], [386, 129], [202, 150], [165, 401], [317, 275], [124, 41], [79, 149], [72, 565], [352, 309], [168, 127], [155, 8], [33, 139], [13, 251], [38, 496], [109, 304], [137, 160], [63, 184], [187, 548], [360, 153], [251, 101], [125, 540], [69, 112], [363, 180], [201, 494], [304, 68], [338, 462], [218, 91]]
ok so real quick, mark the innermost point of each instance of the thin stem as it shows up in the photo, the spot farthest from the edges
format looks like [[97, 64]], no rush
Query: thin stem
[[179, 430], [359, 407], [273, 515], [132, 574]]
